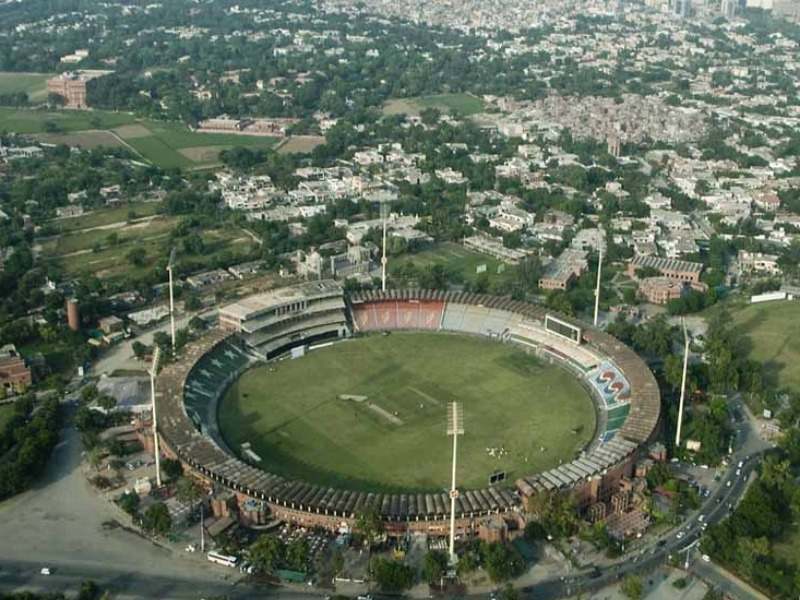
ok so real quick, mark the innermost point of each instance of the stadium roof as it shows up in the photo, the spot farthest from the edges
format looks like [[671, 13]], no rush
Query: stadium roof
[[252, 306]]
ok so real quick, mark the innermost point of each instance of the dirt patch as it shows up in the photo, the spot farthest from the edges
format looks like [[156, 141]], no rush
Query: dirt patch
[[400, 106], [82, 139], [202, 154], [131, 132], [301, 144]]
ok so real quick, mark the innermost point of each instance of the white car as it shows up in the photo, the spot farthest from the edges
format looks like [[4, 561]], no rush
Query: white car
[[680, 535], [45, 571], [706, 558]]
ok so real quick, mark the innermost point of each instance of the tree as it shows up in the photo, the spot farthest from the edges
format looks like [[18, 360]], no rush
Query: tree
[[188, 491], [501, 562], [434, 566], [129, 502], [139, 349], [297, 554], [369, 524], [156, 519], [267, 552], [171, 468], [632, 587], [136, 256], [107, 402], [392, 575]]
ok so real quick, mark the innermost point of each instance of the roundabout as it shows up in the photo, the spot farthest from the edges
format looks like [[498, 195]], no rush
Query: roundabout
[[369, 413]]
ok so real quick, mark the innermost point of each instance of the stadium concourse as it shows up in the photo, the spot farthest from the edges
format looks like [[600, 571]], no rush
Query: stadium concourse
[[290, 320]]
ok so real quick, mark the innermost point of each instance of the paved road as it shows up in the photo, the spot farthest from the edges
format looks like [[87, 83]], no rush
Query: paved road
[[59, 524]]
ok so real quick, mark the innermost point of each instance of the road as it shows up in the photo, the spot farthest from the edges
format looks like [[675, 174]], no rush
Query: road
[[63, 524], [60, 524]]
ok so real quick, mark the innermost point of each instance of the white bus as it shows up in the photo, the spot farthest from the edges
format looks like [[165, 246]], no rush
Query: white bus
[[222, 559]]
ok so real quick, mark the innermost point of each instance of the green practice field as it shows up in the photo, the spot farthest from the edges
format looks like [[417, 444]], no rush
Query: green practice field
[[33, 84], [774, 331], [165, 144], [370, 413], [454, 257], [464, 104]]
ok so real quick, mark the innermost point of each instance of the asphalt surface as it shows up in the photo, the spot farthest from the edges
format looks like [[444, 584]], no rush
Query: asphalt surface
[[59, 525]]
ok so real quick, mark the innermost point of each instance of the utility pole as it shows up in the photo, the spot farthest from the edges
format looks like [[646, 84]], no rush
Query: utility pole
[[599, 276], [455, 427], [683, 385], [153, 373], [171, 299]]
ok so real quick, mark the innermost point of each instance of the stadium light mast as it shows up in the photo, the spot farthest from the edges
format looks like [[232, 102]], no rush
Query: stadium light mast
[[597, 290], [156, 450], [683, 384], [170, 264], [455, 427], [384, 260]]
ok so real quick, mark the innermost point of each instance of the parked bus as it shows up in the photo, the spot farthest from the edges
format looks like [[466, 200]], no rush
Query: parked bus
[[222, 559]]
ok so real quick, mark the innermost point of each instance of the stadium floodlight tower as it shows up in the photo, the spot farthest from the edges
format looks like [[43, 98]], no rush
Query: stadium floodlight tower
[[170, 264], [599, 277], [384, 260], [455, 427], [156, 451], [683, 385]]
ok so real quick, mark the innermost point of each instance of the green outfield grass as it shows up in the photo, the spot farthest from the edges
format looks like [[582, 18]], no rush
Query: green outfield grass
[[295, 416], [33, 84], [457, 259], [165, 144], [774, 331]]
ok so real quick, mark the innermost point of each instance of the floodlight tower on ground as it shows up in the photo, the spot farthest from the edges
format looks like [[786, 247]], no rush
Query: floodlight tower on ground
[[384, 260], [153, 372], [599, 277], [683, 385], [455, 427], [171, 299]]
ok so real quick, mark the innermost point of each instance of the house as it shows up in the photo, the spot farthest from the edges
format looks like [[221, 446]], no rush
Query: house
[[15, 375]]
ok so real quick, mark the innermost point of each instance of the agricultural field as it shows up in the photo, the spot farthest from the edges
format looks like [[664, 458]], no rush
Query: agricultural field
[[773, 329], [464, 104], [370, 413], [457, 259], [300, 144], [106, 217], [98, 243], [33, 84], [165, 144]]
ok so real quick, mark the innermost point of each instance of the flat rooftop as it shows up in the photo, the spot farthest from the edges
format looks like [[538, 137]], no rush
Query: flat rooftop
[[253, 305]]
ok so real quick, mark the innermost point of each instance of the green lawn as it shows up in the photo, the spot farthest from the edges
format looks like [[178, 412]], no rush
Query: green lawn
[[106, 216], [465, 104], [456, 258], [165, 144], [33, 84], [86, 240], [295, 418], [33, 121], [774, 331]]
